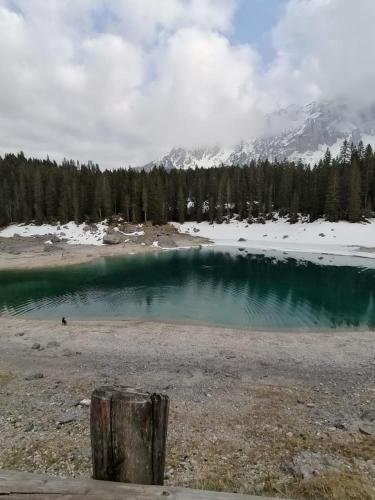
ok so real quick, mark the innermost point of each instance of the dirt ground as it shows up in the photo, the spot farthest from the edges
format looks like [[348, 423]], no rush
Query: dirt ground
[[274, 413]]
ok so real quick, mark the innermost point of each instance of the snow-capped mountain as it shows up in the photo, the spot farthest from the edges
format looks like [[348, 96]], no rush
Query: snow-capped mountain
[[293, 133]]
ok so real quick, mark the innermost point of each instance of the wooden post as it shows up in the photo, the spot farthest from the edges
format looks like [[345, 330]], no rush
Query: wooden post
[[128, 435]]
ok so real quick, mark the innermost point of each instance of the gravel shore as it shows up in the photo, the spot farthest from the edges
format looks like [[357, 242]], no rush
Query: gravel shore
[[250, 411]]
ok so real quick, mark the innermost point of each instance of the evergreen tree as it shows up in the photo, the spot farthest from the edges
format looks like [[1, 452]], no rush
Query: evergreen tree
[[354, 201], [332, 197]]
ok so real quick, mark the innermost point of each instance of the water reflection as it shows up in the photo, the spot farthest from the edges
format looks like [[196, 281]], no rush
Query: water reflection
[[198, 285]]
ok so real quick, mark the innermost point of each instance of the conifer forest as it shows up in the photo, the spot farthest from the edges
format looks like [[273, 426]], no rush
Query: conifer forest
[[341, 188]]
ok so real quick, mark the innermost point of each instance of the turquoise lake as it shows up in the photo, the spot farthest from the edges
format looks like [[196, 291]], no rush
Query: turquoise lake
[[212, 286]]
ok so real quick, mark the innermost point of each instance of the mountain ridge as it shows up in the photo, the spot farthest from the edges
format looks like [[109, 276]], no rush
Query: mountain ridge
[[293, 133]]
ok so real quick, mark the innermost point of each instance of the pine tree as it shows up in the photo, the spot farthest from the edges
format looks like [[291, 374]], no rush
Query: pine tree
[[181, 205], [332, 198], [144, 200], [354, 201], [38, 198]]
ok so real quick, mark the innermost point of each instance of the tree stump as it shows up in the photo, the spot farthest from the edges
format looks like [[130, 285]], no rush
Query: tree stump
[[128, 435]]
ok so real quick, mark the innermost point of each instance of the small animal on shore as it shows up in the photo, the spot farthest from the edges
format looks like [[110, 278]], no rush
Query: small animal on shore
[[63, 321]]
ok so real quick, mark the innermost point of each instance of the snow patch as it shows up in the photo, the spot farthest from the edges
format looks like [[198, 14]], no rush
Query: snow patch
[[72, 233], [318, 237]]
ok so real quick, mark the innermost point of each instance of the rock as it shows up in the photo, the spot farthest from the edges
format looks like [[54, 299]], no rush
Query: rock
[[86, 228], [66, 420], [196, 230], [19, 334], [85, 402], [113, 238], [307, 465], [53, 343], [241, 239], [367, 424], [310, 405], [368, 415], [36, 346], [34, 376], [166, 242], [322, 235]]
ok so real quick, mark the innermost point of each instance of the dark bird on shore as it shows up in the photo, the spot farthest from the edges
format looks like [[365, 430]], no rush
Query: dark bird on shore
[[63, 321]]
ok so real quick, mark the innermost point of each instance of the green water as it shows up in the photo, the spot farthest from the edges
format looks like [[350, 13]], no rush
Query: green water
[[209, 286]]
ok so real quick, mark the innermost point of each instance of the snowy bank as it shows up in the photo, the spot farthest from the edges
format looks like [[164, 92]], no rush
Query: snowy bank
[[318, 237], [72, 233]]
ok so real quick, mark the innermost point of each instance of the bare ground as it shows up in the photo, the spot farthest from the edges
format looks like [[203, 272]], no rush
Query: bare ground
[[32, 252], [257, 412]]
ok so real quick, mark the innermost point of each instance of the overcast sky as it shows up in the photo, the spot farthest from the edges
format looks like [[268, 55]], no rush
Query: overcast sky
[[120, 82]]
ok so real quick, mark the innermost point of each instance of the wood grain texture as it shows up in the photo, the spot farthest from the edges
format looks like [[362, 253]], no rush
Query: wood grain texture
[[128, 435], [26, 486]]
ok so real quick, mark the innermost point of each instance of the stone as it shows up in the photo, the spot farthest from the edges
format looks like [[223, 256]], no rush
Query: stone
[[66, 420], [241, 239], [196, 230], [34, 376], [53, 343], [36, 346], [113, 238], [19, 334], [85, 402], [29, 427], [307, 465], [367, 424], [166, 242]]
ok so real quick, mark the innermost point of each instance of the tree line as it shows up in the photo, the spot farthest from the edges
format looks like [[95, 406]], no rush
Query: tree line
[[340, 188]]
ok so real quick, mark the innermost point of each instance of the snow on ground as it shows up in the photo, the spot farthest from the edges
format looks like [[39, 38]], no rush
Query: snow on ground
[[318, 237], [75, 234]]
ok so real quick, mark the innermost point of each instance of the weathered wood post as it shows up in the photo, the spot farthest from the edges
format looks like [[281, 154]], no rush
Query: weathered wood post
[[128, 435]]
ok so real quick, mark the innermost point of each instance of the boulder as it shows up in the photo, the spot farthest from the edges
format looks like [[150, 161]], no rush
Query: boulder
[[165, 241], [113, 238]]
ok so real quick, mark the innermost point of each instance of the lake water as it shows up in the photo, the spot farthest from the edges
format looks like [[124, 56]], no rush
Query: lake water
[[205, 286]]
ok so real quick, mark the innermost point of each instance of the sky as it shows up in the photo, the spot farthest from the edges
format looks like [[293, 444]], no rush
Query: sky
[[121, 82]]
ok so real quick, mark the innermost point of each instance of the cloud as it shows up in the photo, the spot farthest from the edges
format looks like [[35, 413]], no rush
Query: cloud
[[323, 49], [122, 81]]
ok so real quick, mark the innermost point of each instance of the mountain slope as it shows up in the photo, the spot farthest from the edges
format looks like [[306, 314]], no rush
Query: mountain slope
[[293, 133]]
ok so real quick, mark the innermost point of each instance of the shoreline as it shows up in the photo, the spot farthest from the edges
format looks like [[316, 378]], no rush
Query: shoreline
[[320, 242], [195, 324], [244, 404], [63, 254]]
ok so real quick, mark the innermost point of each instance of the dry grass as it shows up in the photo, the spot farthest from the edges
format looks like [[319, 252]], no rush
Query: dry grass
[[333, 486]]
